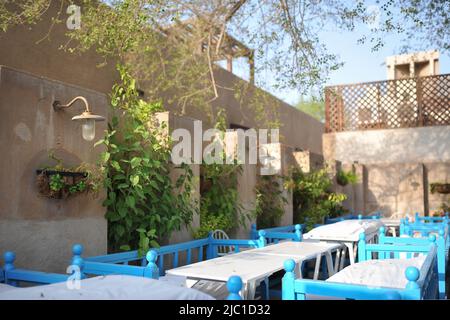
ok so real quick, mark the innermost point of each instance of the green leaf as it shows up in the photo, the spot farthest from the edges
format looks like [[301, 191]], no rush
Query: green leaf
[[135, 162], [134, 180], [130, 201], [125, 248]]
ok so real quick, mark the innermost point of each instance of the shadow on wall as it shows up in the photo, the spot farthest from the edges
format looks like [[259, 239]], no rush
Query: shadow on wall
[[397, 188]]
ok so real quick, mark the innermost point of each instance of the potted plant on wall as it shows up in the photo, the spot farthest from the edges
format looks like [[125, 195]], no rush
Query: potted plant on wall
[[439, 187], [59, 182], [343, 178]]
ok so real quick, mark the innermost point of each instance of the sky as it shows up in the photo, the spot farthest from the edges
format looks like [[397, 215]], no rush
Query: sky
[[361, 64]]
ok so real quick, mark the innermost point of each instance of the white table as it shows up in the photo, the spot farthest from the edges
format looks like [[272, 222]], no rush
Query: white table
[[392, 224], [253, 266], [346, 233]]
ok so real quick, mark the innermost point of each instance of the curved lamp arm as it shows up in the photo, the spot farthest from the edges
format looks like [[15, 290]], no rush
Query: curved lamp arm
[[58, 106]]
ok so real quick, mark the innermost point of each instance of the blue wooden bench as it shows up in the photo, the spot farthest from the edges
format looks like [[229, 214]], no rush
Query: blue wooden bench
[[422, 284]]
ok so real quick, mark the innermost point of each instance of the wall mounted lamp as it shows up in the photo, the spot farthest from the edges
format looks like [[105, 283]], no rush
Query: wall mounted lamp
[[87, 118]]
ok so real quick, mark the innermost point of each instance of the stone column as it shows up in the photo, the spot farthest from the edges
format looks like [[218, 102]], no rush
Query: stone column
[[172, 122]]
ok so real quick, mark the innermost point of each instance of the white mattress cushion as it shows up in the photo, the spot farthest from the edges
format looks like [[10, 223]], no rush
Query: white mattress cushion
[[113, 287], [6, 287], [345, 230], [389, 273]]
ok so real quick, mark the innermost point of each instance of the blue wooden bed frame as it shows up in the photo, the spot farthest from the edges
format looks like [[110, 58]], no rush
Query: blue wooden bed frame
[[425, 219], [118, 262], [11, 275], [271, 236], [442, 252], [422, 284], [425, 228], [255, 233], [351, 216], [287, 232]]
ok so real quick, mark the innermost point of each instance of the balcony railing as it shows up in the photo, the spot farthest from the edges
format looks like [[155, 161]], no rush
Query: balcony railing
[[405, 103]]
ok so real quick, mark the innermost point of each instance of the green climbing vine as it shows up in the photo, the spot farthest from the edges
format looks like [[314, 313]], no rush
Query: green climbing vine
[[143, 204], [270, 201], [220, 207]]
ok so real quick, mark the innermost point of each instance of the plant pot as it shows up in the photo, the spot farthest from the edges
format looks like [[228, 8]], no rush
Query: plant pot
[[443, 188], [69, 178]]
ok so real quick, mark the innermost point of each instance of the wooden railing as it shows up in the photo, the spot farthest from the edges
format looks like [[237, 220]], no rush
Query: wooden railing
[[404, 103]]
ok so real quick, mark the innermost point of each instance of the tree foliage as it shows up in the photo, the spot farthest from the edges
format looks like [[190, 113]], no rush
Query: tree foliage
[[178, 65], [314, 107]]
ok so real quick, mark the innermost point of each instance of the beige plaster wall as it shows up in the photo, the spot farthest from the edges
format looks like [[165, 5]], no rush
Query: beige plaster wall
[[426, 144], [397, 167], [32, 225]]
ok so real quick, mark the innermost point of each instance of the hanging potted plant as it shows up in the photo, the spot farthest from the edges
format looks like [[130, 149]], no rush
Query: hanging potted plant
[[443, 188], [58, 182], [343, 178]]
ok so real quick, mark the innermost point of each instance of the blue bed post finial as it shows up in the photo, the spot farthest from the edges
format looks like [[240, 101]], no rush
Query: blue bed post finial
[[298, 232], [253, 232], [408, 230], [441, 260], [412, 274], [432, 238], [416, 217], [402, 226], [381, 234], [362, 247], [287, 283], [9, 257], [381, 240], [441, 232], [210, 248], [77, 260], [151, 270], [262, 238], [77, 251], [234, 285]]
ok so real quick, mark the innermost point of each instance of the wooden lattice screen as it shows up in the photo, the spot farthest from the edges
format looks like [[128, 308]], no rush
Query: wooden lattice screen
[[412, 102]]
